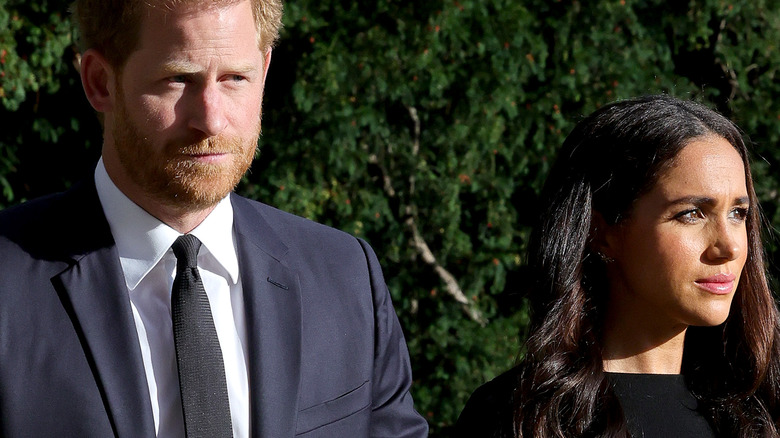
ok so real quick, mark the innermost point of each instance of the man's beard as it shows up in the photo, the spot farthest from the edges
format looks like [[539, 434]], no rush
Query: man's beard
[[170, 176]]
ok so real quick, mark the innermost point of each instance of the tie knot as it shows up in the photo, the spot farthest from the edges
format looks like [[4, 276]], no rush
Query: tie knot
[[186, 248]]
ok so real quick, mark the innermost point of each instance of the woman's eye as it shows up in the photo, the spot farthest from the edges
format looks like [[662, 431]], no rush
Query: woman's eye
[[689, 216], [739, 213]]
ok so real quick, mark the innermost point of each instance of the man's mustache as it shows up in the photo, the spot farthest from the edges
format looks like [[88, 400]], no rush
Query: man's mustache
[[211, 145]]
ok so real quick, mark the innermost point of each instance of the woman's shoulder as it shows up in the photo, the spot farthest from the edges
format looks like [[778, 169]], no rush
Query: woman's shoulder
[[489, 412]]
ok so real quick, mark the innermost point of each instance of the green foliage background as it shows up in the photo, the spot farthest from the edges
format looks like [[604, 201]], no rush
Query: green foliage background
[[427, 127]]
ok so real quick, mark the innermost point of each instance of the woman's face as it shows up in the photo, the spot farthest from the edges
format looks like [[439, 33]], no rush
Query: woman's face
[[679, 255]]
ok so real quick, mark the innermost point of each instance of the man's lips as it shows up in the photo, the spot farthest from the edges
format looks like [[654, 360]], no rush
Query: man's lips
[[720, 284], [207, 157], [207, 154]]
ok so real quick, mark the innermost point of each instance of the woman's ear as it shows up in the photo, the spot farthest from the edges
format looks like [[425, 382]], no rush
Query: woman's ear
[[99, 80], [602, 236]]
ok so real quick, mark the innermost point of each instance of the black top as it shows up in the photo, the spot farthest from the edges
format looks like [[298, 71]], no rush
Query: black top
[[655, 405], [489, 411], [659, 405]]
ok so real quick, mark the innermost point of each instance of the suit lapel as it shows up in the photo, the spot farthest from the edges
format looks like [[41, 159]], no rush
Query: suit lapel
[[93, 287], [273, 308]]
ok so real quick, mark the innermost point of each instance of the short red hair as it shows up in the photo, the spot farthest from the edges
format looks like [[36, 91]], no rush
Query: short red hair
[[112, 26]]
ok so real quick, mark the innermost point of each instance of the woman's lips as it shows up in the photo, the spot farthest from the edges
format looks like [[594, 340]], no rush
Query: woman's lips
[[720, 284]]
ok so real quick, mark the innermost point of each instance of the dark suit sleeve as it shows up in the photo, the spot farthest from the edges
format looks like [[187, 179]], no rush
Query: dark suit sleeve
[[393, 413]]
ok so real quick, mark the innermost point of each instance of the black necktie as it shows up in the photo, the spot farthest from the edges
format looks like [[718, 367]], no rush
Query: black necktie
[[202, 382]]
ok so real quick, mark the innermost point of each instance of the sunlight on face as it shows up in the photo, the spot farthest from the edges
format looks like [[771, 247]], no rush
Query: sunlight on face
[[679, 255], [188, 107]]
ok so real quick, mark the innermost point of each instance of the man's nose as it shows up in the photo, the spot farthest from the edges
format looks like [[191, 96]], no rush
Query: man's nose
[[208, 112]]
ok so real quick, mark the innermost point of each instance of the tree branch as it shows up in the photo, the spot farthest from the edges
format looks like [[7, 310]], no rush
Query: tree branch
[[418, 242], [449, 280]]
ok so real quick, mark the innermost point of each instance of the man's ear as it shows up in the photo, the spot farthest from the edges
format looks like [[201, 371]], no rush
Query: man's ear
[[99, 80], [267, 63]]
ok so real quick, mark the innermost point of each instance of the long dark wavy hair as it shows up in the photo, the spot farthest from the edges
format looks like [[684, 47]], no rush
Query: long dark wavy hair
[[609, 160]]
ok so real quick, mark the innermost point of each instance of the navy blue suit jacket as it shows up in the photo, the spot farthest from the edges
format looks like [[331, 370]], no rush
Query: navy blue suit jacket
[[327, 357]]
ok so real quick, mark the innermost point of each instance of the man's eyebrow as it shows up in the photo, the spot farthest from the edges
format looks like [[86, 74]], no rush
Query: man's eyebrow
[[179, 67], [184, 67], [706, 200], [244, 68]]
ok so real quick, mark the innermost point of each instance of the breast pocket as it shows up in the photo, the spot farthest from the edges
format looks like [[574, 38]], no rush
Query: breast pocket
[[336, 410]]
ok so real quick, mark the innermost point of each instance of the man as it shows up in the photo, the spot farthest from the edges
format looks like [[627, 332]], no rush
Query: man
[[275, 327]]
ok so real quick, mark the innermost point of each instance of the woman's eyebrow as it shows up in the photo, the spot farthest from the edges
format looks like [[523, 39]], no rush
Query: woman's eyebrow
[[706, 200]]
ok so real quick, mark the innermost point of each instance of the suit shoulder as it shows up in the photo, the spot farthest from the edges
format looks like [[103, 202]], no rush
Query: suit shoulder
[[294, 227], [30, 212], [29, 222], [55, 226], [28, 235]]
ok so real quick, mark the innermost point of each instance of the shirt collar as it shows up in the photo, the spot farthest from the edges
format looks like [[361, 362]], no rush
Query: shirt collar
[[142, 240]]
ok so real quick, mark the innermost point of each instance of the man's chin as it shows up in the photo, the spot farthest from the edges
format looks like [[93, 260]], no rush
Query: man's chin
[[199, 186], [192, 199], [197, 192]]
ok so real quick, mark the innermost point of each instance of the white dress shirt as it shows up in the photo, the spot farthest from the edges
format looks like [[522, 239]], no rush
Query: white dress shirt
[[144, 245]]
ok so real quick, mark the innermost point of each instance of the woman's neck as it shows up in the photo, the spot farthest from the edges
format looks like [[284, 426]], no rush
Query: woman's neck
[[639, 343], [663, 358]]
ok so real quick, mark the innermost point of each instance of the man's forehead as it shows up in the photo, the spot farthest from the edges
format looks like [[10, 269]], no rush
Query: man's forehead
[[164, 8], [158, 14], [175, 41], [194, 5]]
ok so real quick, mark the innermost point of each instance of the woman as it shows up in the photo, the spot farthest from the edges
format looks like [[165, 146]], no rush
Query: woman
[[651, 313]]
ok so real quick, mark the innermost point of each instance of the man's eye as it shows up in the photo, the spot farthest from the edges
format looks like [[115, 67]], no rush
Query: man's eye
[[237, 78], [178, 79]]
